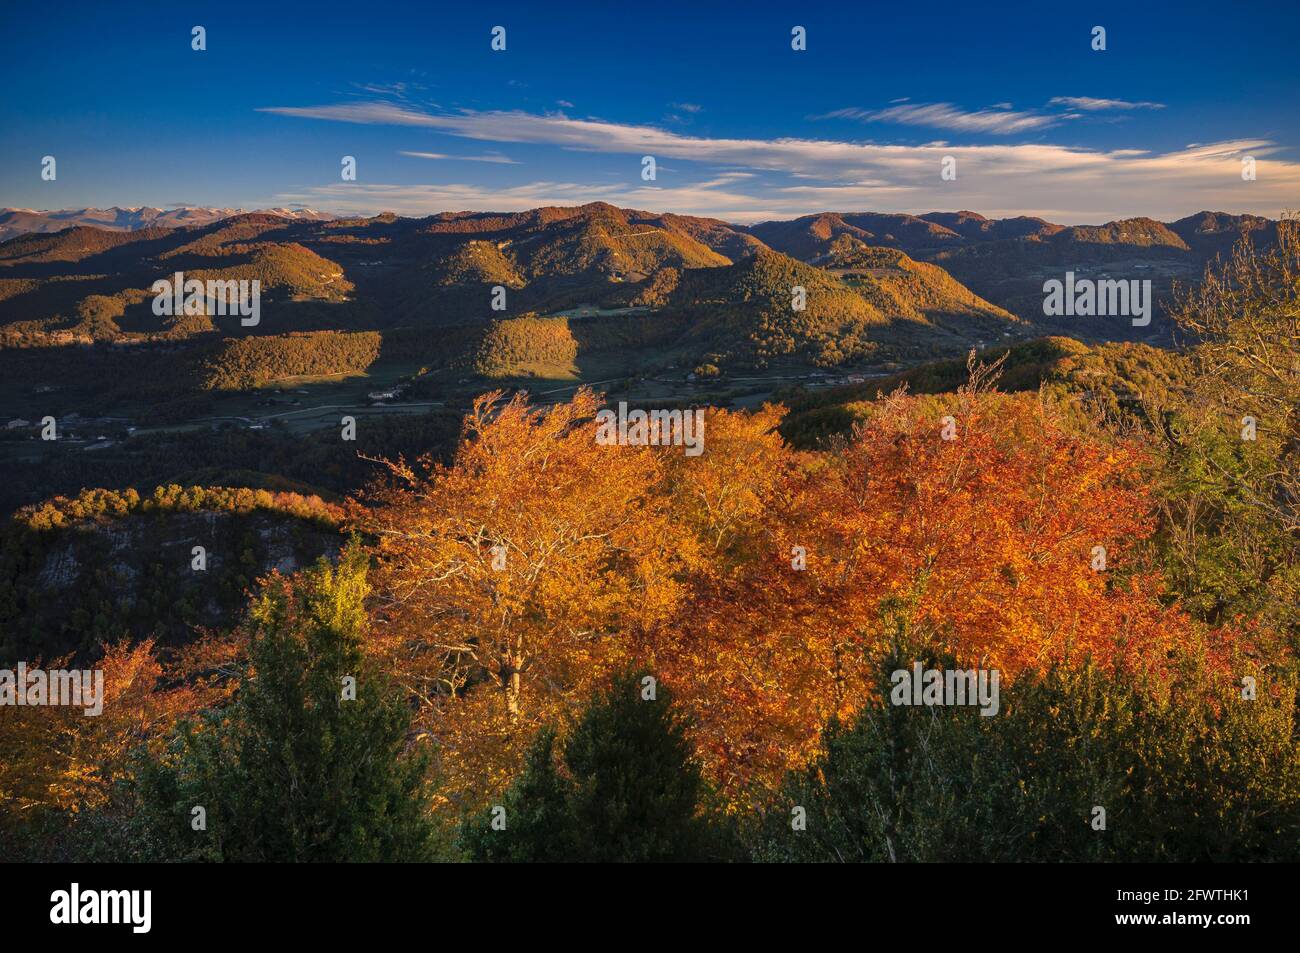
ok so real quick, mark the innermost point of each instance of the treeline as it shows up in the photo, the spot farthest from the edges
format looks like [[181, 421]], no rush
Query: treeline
[[760, 722], [1079, 765], [763, 583], [275, 458], [1076, 767], [62, 512]]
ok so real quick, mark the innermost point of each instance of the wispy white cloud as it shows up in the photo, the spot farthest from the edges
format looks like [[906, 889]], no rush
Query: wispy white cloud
[[597, 135], [1092, 104], [792, 176], [707, 198], [490, 157], [371, 113], [686, 107], [402, 91], [997, 120]]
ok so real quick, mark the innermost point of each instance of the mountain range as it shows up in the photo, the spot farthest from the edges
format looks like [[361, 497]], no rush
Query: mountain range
[[554, 258], [803, 237], [20, 221], [731, 290], [879, 286]]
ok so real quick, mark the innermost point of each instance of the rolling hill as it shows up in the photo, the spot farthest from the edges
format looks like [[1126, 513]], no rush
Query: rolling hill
[[1006, 261], [875, 303]]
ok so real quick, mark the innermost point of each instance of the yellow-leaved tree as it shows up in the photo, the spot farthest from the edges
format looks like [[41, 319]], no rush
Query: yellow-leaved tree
[[507, 581]]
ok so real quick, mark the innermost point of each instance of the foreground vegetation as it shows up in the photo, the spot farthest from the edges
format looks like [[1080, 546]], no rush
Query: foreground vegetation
[[549, 648]]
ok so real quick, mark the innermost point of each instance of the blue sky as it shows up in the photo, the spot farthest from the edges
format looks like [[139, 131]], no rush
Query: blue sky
[[741, 126]]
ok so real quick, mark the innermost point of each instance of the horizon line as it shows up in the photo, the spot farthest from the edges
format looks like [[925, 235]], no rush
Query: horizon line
[[272, 209]]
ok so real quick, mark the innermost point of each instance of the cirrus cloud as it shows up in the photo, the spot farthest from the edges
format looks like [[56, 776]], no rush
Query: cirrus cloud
[[1092, 104], [794, 176], [490, 157], [999, 120]]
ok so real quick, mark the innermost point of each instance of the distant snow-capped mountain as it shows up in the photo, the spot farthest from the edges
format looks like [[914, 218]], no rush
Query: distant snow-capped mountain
[[20, 221]]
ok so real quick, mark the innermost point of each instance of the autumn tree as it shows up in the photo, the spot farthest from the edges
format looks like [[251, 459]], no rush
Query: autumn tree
[[762, 583], [506, 580], [1005, 542], [61, 764]]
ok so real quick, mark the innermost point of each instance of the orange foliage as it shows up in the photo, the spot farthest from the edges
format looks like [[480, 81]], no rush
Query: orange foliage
[[59, 758], [505, 580], [983, 545], [761, 583]]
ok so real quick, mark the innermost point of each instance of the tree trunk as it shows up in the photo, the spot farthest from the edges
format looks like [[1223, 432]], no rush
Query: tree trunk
[[511, 682]]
